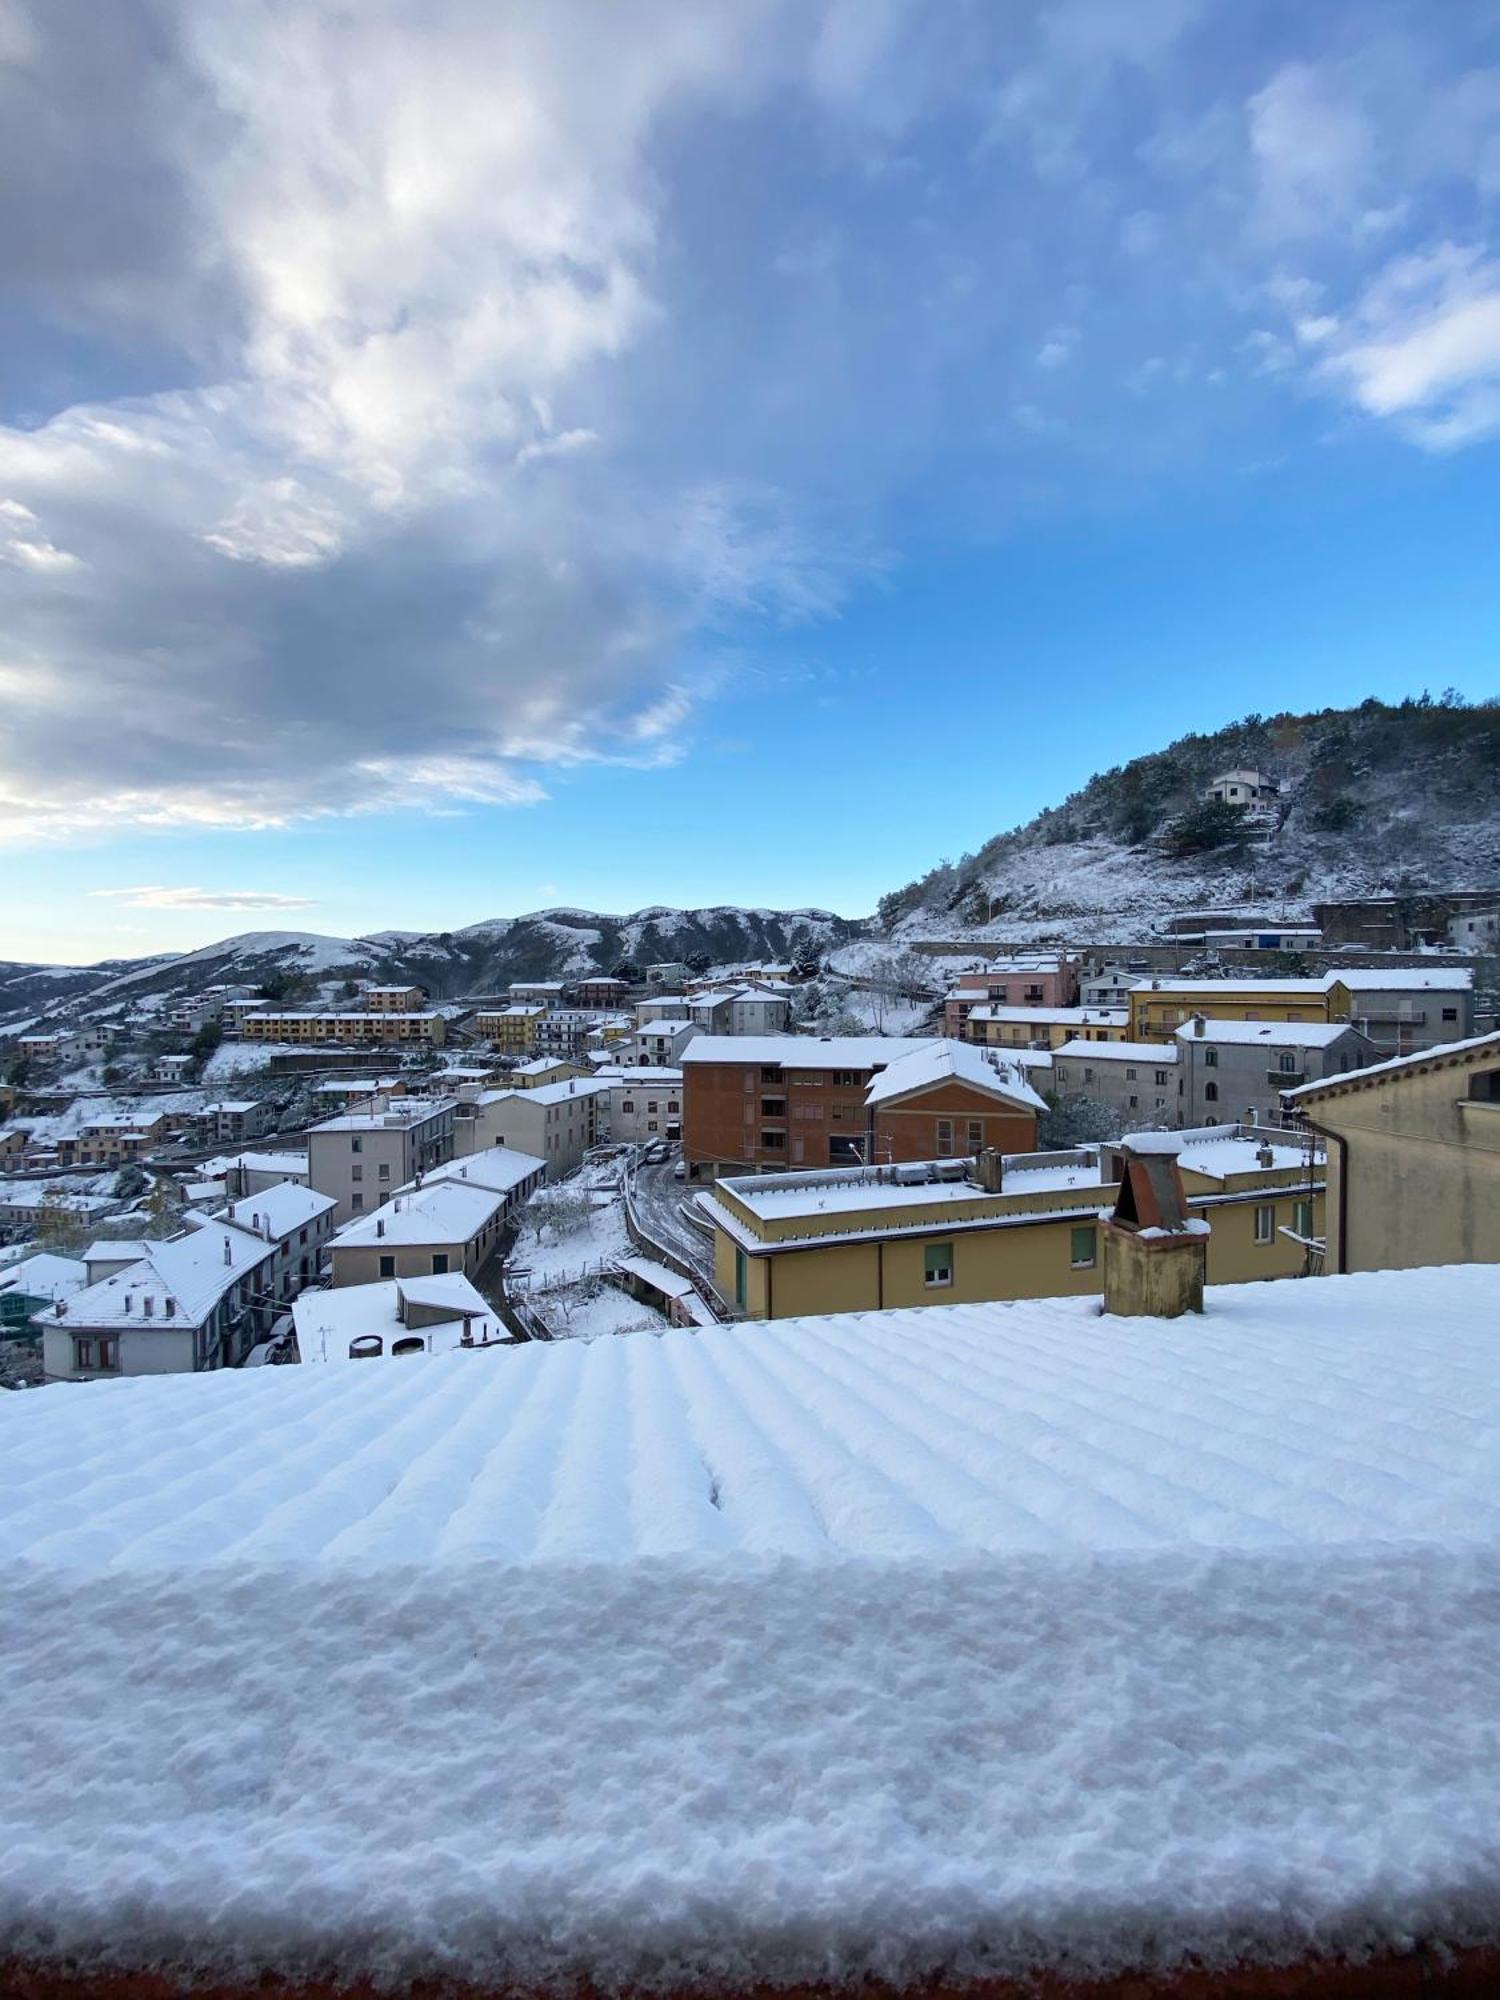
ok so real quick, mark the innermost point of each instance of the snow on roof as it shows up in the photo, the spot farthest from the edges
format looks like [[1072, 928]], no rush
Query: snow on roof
[[840, 1190], [1105, 1643], [1109, 1017], [43, 1275], [1442, 1052], [801, 1051], [440, 1212], [192, 1272], [668, 1024], [1254, 982], [278, 1211], [1405, 978], [1126, 1052], [327, 1321], [1275, 1034], [548, 1093], [397, 1111], [946, 1061], [498, 1168]]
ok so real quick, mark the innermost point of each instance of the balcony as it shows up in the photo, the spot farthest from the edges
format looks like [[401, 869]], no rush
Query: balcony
[[1285, 1079]]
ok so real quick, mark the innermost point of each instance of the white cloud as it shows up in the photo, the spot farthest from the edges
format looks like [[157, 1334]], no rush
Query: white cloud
[[1424, 348], [155, 897], [1313, 151]]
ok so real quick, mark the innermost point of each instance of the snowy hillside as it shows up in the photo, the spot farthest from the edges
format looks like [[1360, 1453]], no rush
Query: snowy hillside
[[1374, 799], [483, 958]]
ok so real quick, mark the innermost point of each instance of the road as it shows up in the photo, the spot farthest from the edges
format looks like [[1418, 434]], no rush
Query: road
[[658, 1201]]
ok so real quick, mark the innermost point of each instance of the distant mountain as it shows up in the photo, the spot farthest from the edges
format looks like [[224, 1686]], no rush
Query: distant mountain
[[482, 958], [1376, 799]]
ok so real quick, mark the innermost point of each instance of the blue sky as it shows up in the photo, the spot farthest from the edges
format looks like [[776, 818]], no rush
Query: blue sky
[[457, 459]]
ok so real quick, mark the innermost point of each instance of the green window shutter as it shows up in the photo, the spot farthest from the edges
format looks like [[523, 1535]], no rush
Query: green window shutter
[[1084, 1248], [937, 1263]]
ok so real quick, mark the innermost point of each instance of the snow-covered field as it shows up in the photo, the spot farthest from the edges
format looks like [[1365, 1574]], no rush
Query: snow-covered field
[[956, 1641], [562, 1264]]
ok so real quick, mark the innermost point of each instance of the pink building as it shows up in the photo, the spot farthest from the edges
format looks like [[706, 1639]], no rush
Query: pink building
[[1034, 979]]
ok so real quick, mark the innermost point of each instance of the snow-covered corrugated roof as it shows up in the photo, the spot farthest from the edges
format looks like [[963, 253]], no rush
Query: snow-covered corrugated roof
[[935, 1644]]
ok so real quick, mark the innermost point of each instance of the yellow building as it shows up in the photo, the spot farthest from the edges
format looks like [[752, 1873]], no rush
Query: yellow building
[[1413, 1158], [544, 1069], [1160, 1006], [1043, 1027], [427, 1026], [514, 1030], [858, 1240]]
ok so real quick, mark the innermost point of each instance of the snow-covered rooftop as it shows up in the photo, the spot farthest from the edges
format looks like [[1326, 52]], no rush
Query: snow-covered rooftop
[[1065, 1017], [393, 1111], [188, 1273], [933, 1062], [439, 1212], [801, 1051], [1125, 1052], [1442, 1052], [1275, 1034], [944, 1643], [327, 1321], [278, 1211], [498, 1168]]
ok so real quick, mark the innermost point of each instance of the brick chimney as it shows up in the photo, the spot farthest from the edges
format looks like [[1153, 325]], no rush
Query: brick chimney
[[1155, 1252], [989, 1169]]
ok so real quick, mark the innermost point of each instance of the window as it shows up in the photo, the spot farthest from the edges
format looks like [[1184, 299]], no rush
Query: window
[[439, 1262], [937, 1266], [1135, 1104], [83, 1354], [1159, 1076], [1450, 1013], [770, 1107], [387, 1267], [383, 1171], [770, 1073], [741, 1267], [1130, 1078], [671, 1105], [1211, 1093], [628, 1105], [652, 1123], [1083, 1248], [1210, 1058], [773, 1142], [356, 1145], [1302, 1217], [1265, 1222], [846, 1076], [976, 1135], [1088, 1074], [356, 1202], [651, 1105], [944, 1138]]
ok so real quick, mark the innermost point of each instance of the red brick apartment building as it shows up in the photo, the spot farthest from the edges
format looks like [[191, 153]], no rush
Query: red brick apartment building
[[768, 1101]]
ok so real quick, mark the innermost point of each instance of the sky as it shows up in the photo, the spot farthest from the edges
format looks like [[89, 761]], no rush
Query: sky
[[459, 458]]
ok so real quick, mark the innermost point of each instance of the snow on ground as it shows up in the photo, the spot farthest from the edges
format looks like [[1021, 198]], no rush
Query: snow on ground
[[945, 1642], [239, 1058], [563, 1266]]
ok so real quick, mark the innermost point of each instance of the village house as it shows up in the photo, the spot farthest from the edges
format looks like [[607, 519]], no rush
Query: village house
[[659, 1044], [661, 1007], [1236, 1071], [171, 1068], [601, 989], [1109, 987], [31, 1284], [1139, 1081], [121, 1140], [1031, 979], [199, 1300], [449, 1220], [24, 1204], [795, 1101], [234, 1121], [1413, 1157], [554, 1122], [644, 1104], [1243, 788], [249, 1173], [539, 1070], [667, 972], [1014, 1227], [299, 1222], [549, 992], [394, 1318], [1399, 1008], [362, 1157]]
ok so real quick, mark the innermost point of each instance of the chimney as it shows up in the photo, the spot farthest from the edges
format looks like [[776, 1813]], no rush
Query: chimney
[[1200, 1026], [148, 1305], [380, 1225], [228, 1251], [988, 1170], [169, 1308], [1155, 1252], [1264, 1157]]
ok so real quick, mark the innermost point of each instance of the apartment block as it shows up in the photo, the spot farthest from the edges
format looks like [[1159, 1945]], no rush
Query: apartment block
[[427, 1027], [394, 999], [1140, 1081], [1042, 1027], [1235, 1071], [804, 1101], [363, 1157], [515, 1030], [555, 1122], [450, 1220]]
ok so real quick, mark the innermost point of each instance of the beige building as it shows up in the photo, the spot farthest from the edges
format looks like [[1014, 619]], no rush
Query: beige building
[[363, 1157], [543, 1069], [394, 999], [857, 1240], [1043, 1027], [427, 1027], [556, 1122], [449, 1221], [1413, 1158], [298, 1222]]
